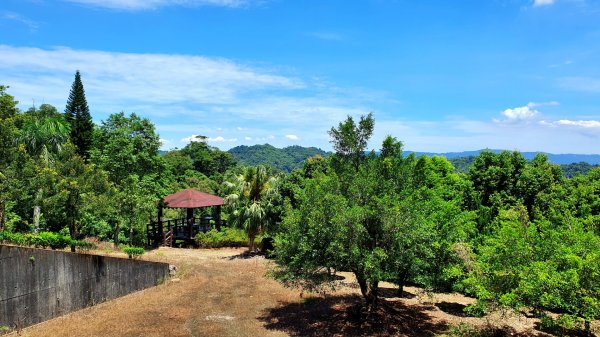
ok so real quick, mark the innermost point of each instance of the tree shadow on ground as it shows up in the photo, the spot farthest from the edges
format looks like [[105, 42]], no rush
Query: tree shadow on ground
[[341, 316], [388, 292], [452, 308], [247, 255]]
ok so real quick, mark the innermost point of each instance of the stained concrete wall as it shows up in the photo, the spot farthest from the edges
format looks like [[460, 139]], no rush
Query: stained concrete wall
[[36, 284]]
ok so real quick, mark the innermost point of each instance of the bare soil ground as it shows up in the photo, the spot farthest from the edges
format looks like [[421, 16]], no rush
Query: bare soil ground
[[218, 293]]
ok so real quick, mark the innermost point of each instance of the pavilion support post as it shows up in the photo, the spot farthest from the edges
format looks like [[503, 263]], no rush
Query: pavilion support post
[[160, 233], [190, 221], [217, 216]]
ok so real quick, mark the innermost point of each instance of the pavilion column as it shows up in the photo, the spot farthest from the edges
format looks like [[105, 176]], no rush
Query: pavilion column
[[217, 216], [190, 221], [159, 223]]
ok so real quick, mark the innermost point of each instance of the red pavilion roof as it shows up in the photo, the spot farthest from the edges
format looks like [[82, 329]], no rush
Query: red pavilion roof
[[190, 198]]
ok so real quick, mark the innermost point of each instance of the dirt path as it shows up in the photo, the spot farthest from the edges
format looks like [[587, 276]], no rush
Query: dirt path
[[216, 294]]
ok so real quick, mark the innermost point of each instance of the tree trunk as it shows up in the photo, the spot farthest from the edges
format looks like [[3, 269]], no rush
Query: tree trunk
[[369, 290], [588, 328], [2, 208], [131, 235], [36, 218], [251, 243], [401, 281], [116, 235], [73, 234]]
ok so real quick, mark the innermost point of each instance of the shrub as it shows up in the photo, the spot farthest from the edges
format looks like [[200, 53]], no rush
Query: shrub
[[478, 309], [227, 237], [43, 240], [133, 252]]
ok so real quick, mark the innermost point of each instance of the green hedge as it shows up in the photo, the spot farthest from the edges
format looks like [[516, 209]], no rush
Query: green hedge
[[227, 237], [42, 239], [133, 252]]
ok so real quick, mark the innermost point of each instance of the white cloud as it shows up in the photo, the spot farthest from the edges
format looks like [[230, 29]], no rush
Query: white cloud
[[197, 138], [519, 114], [536, 105], [127, 77], [247, 138], [153, 4], [586, 124], [165, 142], [220, 139], [193, 138], [540, 3], [292, 137]]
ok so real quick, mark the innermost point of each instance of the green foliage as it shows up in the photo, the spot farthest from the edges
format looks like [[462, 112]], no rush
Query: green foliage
[[575, 169], [133, 252], [78, 116], [42, 240], [286, 159], [251, 201], [479, 309], [227, 237], [206, 159], [127, 146]]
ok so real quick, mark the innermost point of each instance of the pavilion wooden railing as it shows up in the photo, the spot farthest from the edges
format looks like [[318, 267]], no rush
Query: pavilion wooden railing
[[175, 229]]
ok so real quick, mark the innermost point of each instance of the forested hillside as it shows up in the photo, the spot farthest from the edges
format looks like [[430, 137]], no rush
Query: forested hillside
[[512, 232], [286, 159]]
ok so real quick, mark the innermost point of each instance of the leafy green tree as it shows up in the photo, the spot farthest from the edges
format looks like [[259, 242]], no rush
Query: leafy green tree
[[206, 159], [9, 114], [343, 220], [350, 140], [552, 267], [76, 185], [78, 115], [44, 137], [127, 145], [250, 201]]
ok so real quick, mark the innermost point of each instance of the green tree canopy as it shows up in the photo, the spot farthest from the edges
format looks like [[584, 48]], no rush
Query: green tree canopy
[[78, 115]]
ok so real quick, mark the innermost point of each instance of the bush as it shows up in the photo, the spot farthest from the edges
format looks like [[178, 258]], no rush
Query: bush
[[478, 309], [43, 240], [133, 252], [227, 237]]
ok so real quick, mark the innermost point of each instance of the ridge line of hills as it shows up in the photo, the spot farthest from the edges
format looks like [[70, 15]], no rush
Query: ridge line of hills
[[292, 157]]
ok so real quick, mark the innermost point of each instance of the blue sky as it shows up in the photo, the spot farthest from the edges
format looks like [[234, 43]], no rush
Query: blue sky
[[438, 75]]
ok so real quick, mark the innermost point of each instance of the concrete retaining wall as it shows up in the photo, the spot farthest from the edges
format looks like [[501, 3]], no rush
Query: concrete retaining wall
[[37, 284]]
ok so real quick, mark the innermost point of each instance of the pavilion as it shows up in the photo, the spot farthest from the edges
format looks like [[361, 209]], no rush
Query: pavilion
[[166, 232]]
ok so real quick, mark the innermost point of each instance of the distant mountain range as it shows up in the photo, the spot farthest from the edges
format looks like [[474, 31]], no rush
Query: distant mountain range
[[286, 159], [560, 159], [292, 157]]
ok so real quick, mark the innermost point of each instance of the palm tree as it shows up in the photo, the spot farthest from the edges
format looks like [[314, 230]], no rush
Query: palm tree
[[249, 201], [43, 137]]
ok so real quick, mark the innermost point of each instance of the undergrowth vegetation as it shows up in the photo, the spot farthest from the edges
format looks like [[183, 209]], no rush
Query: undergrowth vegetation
[[42, 240], [227, 237]]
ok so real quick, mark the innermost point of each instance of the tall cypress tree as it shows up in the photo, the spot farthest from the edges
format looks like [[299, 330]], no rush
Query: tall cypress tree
[[78, 115]]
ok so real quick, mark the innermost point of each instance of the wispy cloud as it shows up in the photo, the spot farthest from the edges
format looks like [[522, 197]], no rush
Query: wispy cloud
[[32, 25], [541, 3], [292, 137], [126, 77], [184, 94], [586, 124], [133, 5]]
